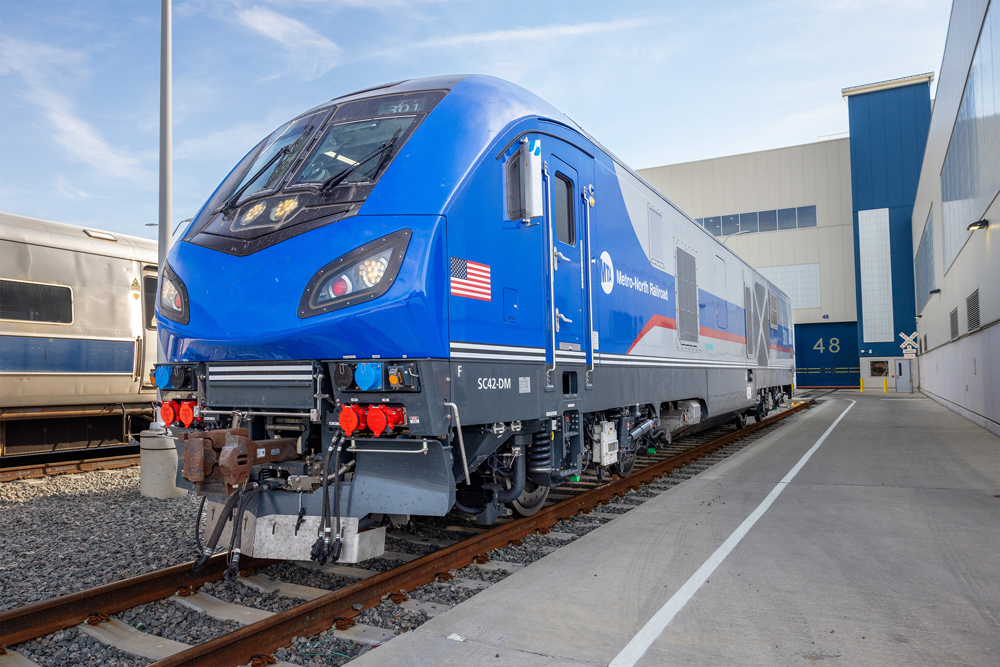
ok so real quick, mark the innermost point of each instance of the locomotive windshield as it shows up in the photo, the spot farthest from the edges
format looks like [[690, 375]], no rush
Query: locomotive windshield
[[346, 146], [310, 172]]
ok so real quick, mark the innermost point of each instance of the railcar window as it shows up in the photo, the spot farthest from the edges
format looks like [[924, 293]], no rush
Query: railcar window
[[34, 302], [773, 310], [149, 301], [514, 209], [565, 227]]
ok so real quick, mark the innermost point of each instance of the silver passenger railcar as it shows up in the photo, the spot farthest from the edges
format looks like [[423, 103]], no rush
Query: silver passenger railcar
[[77, 336]]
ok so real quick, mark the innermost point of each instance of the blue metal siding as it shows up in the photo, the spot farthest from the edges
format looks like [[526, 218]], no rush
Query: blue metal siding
[[25, 354], [888, 136], [823, 367]]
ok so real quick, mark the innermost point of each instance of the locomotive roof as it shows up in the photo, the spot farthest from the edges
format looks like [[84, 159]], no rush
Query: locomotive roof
[[22, 229]]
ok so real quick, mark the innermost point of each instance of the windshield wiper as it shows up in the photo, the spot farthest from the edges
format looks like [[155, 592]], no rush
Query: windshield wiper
[[234, 200], [339, 177], [384, 160]]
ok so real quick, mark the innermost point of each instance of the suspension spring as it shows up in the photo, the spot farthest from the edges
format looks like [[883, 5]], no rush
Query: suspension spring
[[540, 452]]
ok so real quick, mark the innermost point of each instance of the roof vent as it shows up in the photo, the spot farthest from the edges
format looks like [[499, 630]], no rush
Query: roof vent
[[104, 236]]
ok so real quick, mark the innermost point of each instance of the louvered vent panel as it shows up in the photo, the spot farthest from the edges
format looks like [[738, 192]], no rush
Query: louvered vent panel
[[972, 310], [687, 297], [954, 324]]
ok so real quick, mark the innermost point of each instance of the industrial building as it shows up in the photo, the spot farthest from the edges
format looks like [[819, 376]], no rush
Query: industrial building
[[882, 238]]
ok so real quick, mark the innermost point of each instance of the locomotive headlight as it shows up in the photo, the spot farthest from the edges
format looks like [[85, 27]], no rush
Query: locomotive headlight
[[372, 270], [363, 274], [173, 299]]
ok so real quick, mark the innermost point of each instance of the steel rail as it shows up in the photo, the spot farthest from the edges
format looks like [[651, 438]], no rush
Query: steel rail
[[313, 617], [41, 618], [67, 467]]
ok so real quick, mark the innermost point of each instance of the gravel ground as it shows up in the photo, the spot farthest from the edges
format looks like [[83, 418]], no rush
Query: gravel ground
[[322, 649], [165, 618], [442, 592], [391, 616], [527, 553], [69, 533], [72, 647], [291, 573], [404, 547], [378, 564], [237, 593], [479, 574]]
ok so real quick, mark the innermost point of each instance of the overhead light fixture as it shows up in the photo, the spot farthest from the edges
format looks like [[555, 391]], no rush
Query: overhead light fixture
[[978, 224], [935, 291], [918, 316]]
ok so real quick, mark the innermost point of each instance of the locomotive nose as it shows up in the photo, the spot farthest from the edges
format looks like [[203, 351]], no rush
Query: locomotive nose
[[362, 286]]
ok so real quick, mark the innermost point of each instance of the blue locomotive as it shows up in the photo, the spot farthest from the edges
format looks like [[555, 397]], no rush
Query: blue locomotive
[[442, 294]]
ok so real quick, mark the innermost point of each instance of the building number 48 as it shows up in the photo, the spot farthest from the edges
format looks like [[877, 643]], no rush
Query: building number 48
[[833, 348]]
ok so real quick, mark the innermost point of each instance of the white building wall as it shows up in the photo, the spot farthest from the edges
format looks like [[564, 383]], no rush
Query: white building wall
[[964, 373], [811, 174]]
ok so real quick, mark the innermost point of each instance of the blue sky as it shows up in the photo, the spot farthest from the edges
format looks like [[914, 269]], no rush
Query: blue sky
[[655, 82]]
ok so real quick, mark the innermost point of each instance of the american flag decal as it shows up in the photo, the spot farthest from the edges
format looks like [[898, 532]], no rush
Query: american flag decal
[[470, 279]]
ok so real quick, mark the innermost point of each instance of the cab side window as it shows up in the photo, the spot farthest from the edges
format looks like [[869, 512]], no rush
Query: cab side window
[[563, 204]]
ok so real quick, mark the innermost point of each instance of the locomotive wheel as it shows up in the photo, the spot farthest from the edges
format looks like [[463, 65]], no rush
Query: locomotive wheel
[[626, 461], [740, 421], [531, 499]]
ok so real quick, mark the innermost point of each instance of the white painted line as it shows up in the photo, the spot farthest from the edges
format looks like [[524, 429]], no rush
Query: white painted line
[[635, 649]]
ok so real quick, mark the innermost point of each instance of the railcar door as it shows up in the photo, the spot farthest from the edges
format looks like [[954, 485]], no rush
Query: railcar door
[[149, 342], [569, 174]]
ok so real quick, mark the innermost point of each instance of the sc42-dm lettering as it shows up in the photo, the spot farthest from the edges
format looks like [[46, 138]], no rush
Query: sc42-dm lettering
[[340, 304]]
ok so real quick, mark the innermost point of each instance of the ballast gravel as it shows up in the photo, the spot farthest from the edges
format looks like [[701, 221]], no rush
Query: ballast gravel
[[237, 593], [68, 533], [321, 649], [72, 647], [390, 616], [291, 573], [167, 619]]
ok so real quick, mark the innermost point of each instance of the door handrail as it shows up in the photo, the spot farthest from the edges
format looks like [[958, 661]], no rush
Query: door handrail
[[589, 375], [550, 369]]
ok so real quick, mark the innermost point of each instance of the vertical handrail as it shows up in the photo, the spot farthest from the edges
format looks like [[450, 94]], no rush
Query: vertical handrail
[[461, 441], [550, 368], [589, 376]]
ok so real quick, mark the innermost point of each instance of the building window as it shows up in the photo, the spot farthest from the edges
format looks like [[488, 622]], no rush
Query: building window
[[35, 302], [754, 222], [923, 264], [970, 177]]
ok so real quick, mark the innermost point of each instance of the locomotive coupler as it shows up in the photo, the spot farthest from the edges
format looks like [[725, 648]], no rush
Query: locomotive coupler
[[227, 456]]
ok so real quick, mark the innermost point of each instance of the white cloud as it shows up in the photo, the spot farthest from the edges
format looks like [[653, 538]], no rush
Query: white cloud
[[538, 35], [309, 53], [40, 67], [63, 186]]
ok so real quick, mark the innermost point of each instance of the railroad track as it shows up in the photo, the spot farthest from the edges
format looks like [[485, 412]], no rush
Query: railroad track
[[322, 608], [68, 467]]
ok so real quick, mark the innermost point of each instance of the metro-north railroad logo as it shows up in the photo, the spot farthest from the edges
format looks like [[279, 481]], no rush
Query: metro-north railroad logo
[[607, 273]]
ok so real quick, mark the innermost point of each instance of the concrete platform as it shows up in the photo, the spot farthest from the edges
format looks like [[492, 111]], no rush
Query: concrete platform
[[883, 549]]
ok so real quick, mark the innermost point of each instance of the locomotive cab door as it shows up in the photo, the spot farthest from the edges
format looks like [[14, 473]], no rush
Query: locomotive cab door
[[569, 173]]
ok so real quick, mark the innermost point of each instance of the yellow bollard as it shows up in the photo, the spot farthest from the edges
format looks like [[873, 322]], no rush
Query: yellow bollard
[[862, 385], [885, 385]]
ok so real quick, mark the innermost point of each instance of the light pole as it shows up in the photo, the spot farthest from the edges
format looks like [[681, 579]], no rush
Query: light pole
[[729, 236], [166, 141]]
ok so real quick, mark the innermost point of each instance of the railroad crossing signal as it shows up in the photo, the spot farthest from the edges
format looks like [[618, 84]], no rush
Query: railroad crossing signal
[[909, 345]]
